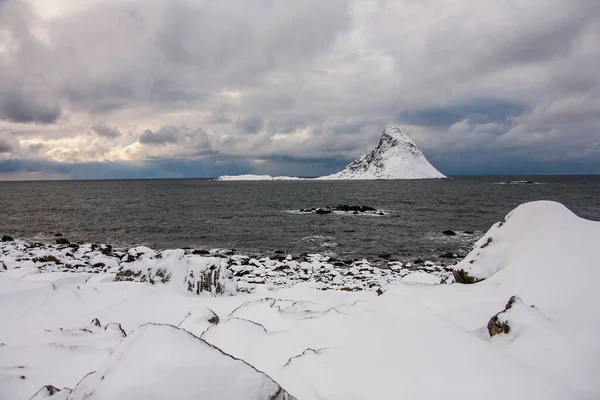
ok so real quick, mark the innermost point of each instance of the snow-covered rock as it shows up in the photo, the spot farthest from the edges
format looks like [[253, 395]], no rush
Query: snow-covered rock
[[249, 177], [395, 157], [535, 240], [165, 362]]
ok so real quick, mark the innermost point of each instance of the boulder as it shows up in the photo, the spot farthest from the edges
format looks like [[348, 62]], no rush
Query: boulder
[[62, 241], [7, 238], [200, 252], [449, 232]]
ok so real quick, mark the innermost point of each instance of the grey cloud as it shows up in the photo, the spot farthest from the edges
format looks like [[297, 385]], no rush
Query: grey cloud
[[167, 134], [106, 131], [252, 124], [16, 107], [26, 95], [36, 147], [5, 147], [481, 110]]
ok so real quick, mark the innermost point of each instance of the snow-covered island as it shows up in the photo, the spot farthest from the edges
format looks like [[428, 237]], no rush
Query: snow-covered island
[[249, 177], [395, 157], [517, 318]]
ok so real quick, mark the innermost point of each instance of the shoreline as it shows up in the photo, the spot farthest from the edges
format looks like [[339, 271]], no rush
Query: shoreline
[[216, 271]]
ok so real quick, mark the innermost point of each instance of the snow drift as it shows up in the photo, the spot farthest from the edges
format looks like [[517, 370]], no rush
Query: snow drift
[[164, 362], [395, 157]]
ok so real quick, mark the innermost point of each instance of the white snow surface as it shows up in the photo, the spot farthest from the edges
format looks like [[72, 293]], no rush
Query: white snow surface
[[395, 157], [408, 340], [180, 365], [250, 177]]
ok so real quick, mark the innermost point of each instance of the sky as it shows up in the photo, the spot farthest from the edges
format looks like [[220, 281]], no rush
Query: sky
[[104, 89]]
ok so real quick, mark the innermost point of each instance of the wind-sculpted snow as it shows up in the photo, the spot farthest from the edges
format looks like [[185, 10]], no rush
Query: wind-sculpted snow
[[164, 362], [395, 157]]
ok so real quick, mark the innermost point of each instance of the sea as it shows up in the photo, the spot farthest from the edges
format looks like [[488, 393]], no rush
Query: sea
[[262, 217]]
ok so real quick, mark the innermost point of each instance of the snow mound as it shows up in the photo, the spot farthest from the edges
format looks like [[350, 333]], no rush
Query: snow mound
[[395, 157], [535, 239], [198, 320], [524, 332], [165, 362], [250, 177], [369, 347], [51, 392]]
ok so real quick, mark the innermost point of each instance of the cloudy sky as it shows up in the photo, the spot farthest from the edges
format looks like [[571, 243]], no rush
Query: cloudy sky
[[193, 88]]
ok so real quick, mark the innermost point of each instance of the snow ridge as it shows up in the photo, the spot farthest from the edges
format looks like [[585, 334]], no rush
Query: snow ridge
[[395, 157]]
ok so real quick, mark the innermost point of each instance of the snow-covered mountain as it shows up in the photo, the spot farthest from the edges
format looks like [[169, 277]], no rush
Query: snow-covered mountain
[[395, 157]]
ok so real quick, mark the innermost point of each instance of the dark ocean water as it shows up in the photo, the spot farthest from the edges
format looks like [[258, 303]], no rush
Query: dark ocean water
[[258, 217]]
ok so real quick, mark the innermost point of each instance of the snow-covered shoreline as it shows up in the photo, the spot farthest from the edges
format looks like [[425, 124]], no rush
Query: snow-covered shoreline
[[169, 328], [214, 272]]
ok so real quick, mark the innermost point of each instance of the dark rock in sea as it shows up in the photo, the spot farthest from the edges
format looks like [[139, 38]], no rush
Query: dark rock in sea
[[367, 208], [448, 254], [62, 241], [200, 252], [7, 238], [449, 233], [419, 261], [469, 232], [323, 211], [385, 255], [355, 212], [279, 252], [58, 235]]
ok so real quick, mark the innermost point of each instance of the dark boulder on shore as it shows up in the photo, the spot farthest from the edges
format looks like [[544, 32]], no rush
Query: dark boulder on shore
[[62, 241], [7, 238]]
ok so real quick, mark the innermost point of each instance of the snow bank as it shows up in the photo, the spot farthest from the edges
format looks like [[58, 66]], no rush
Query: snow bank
[[164, 362], [534, 241]]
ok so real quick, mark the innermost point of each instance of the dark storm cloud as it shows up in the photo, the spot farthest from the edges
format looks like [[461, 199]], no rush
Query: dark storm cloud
[[5, 147], [480, 111], [15, 107], [167, 134], [106, 131], [208, 167], [251, 124]]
